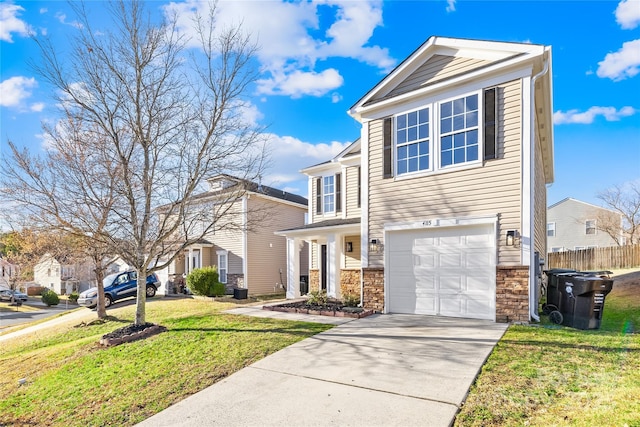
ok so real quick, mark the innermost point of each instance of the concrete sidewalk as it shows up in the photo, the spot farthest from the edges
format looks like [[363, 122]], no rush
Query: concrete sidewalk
[[382, 370]]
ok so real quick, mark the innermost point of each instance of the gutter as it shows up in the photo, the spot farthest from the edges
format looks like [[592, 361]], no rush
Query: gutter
[[532, 277]]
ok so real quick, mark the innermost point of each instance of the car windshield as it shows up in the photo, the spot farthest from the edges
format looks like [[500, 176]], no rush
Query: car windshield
[[109, 279]]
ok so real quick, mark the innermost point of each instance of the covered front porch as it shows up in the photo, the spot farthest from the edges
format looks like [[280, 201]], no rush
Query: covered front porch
[[334, 257]]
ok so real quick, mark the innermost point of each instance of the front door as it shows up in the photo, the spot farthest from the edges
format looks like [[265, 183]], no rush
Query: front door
[[323, 267]]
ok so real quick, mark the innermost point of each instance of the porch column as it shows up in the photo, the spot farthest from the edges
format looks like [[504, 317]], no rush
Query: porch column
[[333, 265], [293, 267]]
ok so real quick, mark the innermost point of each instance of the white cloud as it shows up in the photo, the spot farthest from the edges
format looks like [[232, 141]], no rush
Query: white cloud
[[37, 107], [336, 97], [628, 14], [289, 155], [610, 114], [295, 41], [14, 90], [451, 5], [622, 64], [298, 83], [43, 10], [11, 23], [63, 20]]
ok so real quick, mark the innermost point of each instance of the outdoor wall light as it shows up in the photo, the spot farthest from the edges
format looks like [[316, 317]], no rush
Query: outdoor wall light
[[375, 246], [349, 247], [513, 238]]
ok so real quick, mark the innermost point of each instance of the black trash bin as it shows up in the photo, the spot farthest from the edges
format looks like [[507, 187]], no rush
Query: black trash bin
[[583, 298], [240, 293], [304, 285], [554, 297]]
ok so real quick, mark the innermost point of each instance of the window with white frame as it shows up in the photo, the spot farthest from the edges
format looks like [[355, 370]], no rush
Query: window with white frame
[[222, 266], [557, 249], [551, 229], [328, 194], [442, 135], [590, 226], [578, 248], [459, 131], [412, 141]]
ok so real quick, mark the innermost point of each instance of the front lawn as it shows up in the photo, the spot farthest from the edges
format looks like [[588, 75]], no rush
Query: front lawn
[[547, 375], [71, 381]]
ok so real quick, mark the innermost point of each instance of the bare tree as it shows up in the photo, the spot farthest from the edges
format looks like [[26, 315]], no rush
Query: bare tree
[[624, 199], [160, 118]]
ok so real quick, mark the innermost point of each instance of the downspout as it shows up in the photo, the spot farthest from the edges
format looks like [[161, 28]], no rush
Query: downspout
[[532, 172]]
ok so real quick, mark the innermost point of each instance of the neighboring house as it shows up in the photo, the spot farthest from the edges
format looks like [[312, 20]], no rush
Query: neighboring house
[[63, 276], [246, 256], [9, 272], [440, 207], [576, 225]]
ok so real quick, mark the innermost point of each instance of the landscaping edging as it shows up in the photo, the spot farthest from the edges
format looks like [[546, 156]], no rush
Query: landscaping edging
[[145, 333], [327, 312]]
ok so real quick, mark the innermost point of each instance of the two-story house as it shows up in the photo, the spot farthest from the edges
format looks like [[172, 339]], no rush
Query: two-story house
[[440, 206], [575, 225], [8, 274], [247, 254], [63, 275]]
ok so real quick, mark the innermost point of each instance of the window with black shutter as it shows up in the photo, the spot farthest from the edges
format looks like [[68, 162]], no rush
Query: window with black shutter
[[318, 196], [338, 192], [490, 123], [387, 167]]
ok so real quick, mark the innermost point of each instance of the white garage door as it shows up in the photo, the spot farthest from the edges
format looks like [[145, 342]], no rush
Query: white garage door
[[443, 271]]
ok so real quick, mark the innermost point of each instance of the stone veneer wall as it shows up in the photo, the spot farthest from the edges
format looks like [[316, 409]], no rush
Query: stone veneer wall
[[373, 288], [314, 280], [350, 282], [234, 281], [512, 294]]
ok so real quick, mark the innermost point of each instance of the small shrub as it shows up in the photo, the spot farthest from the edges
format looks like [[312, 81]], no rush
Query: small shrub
[[351, 299], [204, 282], [74, 297], [317, 298], [50, 298]]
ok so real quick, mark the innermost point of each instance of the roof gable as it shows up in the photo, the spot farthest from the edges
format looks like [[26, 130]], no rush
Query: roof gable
[[442, 58]]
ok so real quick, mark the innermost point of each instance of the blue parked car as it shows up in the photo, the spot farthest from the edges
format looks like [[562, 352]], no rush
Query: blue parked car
[[118, 286]]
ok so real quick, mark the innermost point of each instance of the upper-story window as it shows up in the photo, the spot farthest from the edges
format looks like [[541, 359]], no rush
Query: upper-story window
[[551, 229], [459, 131], [328, 194], [442, 135], [412, 141], [590, 226]]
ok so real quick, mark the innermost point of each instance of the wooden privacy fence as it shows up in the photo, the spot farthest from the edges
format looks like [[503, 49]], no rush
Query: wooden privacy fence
[[613, 257]]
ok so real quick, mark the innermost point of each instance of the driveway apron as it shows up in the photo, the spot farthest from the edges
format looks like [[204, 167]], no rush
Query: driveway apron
[[382, 370]]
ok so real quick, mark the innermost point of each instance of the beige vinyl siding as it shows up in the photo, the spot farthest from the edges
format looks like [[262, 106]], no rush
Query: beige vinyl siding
[[540, 209], [494, 188], [436, 68], [352, 259], [352, 209], [267, 252], [230, 241]]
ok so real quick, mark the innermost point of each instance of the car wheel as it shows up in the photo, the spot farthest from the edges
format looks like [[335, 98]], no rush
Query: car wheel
[[107, 301], [151, 291]]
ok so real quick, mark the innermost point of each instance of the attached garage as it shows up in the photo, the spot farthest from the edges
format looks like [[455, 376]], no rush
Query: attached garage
[[447, 271]]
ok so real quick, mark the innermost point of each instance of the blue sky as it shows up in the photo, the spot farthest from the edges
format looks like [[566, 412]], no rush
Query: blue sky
[[319, 58]]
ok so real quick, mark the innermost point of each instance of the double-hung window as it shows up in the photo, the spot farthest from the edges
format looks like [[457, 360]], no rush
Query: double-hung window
[[328, 193], [222, 266], [442, 134], [412, 141], [459, 131], [551, 229], [590, 226]]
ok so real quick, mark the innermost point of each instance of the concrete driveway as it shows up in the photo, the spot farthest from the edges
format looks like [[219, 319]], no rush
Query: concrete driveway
[[383, 370]]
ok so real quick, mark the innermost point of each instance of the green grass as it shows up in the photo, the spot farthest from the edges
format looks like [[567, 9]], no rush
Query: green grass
[[72, 381], [547, 375]]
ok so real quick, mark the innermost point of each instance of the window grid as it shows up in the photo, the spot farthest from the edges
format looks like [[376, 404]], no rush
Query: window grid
[[413, 141], [459, 131], [328, 193], [222, 268], [590, 226], [551, 229]]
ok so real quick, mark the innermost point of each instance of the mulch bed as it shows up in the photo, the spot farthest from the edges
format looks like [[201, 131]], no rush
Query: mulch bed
[[331, 308], [130, 333]]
